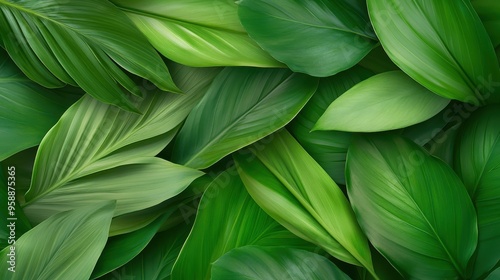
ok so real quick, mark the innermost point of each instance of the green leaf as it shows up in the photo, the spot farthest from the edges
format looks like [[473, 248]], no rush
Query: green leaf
[[227, 218], [413, 207], [441, 44], [156, 260], [316, 37], [328, 148], [196, 32], [56, 42], [489, 12], [293, 189], [387, 101], [27, 110], [242, 106], [254, 262], [378, 61], [65, 246], [477, 161], [494, 275], [121, 249]]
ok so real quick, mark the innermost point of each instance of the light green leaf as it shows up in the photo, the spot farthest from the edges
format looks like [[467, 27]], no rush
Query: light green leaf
[[413, 207], [387, 101], [489, 12], [196, 32], [65, 246], [441, 44], [328, 148], [255, 262], [27, 110], [57, 42], [242, 106], [477, 161], [227, 218], [293, 189], [316, 37]]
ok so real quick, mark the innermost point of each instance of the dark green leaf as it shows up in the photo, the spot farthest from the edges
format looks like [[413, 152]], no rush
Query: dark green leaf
[[489, 12]]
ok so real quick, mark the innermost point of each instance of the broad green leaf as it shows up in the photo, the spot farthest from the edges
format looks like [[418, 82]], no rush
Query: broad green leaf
[[441, 44], [328, 148], [241, 106], [477, 161], [316, 37], [156, 260], [27, 110], [227, 218], [293, 189], [387, 101], [254, 262], [413, 207], [489, 12], [11, 210], [197, 32], [84, 43], [65, 246], [121, 249]]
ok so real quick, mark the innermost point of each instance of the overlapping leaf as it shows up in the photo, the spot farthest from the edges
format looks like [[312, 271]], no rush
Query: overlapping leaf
[[477, 161], [443, 45], [27, 110], [328, 148], [227, 218], [242, 106], [489, 12], [293, 189], [254, 262], [196, 32], [65, 246], [84, 43], [316, 37], [413, 207], [387, 101]]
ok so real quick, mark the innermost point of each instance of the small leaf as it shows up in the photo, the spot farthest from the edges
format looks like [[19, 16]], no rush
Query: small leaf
[[387, 101], [329, 37], [413, 207], [254, 262], [65, 246]]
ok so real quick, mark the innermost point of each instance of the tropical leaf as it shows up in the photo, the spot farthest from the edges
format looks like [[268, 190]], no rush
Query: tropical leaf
[[65, 246], [494, 275], [242, 106], [489, 12], [254, 262], [331, 36], [328, 148], [386, 101], [27, 110], [57, 42], [293, 189], [196, 32], [395, 184], [477, 161], [239, 222], [156, 260], [441, 44]]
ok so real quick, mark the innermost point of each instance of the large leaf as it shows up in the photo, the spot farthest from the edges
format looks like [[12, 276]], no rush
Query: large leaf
[[227, 218], [477, 161], [331, 36], [413, 207], [242, 106], [328, 148], [293, 189], [196, 32], [254, 262], [489, 12], [27, 110], [441, 44], [57, 42], [65, 246], [387, 101]]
